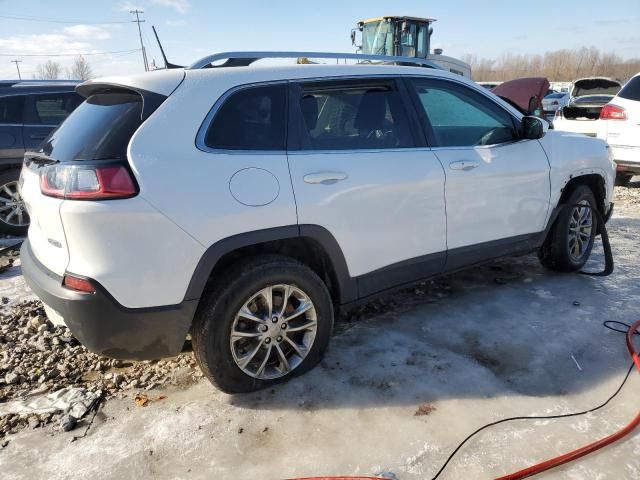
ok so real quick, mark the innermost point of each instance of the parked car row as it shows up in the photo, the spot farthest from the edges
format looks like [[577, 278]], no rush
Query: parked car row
[[29, 111], [243, 205]]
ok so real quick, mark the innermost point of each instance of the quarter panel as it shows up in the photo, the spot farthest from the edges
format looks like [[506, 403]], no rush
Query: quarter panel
[[134, 251]]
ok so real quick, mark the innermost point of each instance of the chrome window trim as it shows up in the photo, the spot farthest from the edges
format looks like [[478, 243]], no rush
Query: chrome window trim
[[202, 130], [206, 123]]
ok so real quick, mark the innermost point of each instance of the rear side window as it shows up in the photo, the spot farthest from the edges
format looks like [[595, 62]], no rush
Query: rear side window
[[100, 128], [250, 119], [353, 117], [631, 90], [52, 109], [460, 117], [11, 109]]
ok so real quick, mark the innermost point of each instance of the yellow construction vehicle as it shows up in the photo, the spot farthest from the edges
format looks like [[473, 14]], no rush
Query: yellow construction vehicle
[[403, 36]]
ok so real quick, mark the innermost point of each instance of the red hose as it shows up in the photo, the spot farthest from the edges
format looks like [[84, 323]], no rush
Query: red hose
[[592, 447]]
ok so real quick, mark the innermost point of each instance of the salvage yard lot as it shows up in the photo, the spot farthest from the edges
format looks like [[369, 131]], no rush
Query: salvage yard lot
[[405, 380]]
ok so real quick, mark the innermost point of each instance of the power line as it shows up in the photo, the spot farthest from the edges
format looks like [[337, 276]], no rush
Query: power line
[[137, 13], [65, 54], [27, 18]]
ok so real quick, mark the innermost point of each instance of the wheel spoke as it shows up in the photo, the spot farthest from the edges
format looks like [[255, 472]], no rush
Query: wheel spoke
[[7, 191], [239, 335], [286, 293], [264, 362], [245, 313], [244, 361], [303, 307], [295, 347], [303, 327], [267, 294], [283, 359]]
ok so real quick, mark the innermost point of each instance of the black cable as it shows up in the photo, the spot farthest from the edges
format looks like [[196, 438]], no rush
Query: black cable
[[606, 324], [547, 417]]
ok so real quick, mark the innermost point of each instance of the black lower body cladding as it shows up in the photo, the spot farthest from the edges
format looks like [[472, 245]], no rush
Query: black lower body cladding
[[104, 326]]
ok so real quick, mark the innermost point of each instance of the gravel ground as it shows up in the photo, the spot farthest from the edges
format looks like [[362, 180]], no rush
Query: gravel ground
[[405, 379]]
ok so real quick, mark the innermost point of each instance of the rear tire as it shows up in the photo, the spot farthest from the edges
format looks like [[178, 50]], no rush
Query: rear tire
[[14, 219], [238, 305], [623, 179], [569, 243]]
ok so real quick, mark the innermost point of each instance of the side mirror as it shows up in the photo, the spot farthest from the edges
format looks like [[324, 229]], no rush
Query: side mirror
[[353, 36], [532, 128], [533, 105]]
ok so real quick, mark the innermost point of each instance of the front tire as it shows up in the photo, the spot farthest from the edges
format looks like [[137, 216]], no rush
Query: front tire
[[569, 243], [270, 320]]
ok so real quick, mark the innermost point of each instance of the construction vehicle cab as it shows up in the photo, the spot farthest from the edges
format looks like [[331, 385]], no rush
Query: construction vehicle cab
[[403, 37]]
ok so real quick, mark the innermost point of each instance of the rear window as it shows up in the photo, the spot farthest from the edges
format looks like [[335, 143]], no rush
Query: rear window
[[100, 128], [631, 90], [52, 109], [250, 119]]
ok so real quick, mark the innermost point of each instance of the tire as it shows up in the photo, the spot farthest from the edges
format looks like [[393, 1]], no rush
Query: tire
[[218, 314], [555, 253], [623, 179], [9, 195]]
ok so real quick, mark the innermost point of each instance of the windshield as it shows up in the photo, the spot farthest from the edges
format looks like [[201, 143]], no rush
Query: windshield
[[100, 128], [377, 38]]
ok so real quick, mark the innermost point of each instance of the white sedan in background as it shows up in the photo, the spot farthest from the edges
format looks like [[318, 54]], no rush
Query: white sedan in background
[[619, 125], [554, 101]]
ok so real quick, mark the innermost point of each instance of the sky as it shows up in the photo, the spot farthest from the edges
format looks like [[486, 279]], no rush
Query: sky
[[190, 29]]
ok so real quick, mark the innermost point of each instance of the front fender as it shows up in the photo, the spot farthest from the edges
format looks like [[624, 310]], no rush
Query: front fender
[[573, 155]]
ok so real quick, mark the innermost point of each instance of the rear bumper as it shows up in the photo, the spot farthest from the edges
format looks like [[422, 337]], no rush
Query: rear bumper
[[104, 326], [627, 158]]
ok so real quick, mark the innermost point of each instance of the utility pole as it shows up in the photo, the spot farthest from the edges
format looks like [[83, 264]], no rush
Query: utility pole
[[18, 67], [138, 21]]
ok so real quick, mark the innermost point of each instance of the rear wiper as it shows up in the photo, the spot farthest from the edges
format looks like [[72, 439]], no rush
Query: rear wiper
[[39, 159]]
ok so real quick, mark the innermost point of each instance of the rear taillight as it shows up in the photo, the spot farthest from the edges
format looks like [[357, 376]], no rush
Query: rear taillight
[[87, 182], [612, 112], [77, 283]]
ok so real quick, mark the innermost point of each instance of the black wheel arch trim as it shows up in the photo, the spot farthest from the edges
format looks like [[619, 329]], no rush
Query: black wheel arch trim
[[347, 286]]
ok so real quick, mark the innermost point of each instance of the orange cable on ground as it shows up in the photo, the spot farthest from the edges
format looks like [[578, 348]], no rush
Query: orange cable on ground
[[592, 447]]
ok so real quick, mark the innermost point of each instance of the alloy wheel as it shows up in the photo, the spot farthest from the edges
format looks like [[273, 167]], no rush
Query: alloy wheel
[[12, 208], [580, 226], [273, 331]]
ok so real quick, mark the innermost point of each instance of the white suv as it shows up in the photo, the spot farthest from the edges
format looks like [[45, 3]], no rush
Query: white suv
[[620, 126], [242, 204]]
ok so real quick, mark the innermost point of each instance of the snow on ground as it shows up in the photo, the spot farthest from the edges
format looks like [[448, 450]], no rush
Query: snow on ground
[[474, 347]]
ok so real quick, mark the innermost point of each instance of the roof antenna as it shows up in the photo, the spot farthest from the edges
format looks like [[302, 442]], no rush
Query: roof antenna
[[167, 65]]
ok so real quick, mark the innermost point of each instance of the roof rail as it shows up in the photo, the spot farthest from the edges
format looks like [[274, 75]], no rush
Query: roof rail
[[244, 59], [32, 83]]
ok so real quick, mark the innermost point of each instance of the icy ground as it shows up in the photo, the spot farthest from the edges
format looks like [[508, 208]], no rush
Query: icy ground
[[477, 346]]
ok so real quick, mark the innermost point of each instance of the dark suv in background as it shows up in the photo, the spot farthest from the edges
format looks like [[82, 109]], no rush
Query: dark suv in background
[[29, 111]]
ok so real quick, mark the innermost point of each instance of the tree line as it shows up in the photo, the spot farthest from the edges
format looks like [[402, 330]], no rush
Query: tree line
[[559, 65], [52, 70]]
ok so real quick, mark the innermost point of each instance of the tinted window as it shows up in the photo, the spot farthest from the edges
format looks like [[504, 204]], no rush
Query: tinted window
[[100, 128], [250, 119], [11, 109], [338, 117], [460, 117], [631, 90], [52, 109]]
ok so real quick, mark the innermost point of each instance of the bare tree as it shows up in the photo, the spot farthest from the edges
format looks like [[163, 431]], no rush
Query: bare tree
[[558, 65], [49, 70], [80, 70]]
